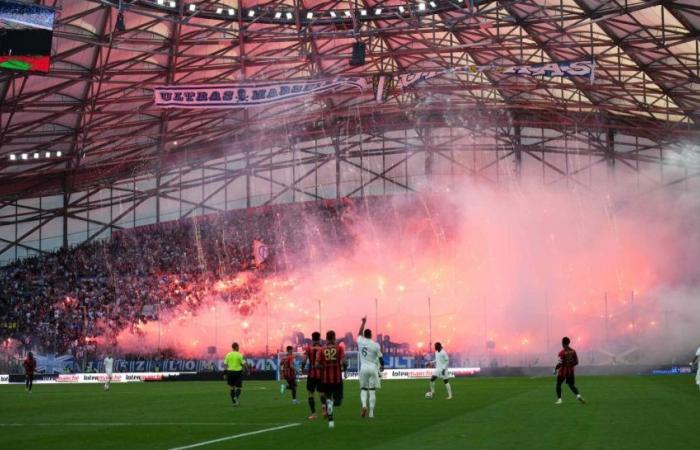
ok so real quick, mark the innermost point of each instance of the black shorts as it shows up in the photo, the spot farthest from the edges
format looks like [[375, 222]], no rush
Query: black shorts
[[313, 384], [235, 378], [291, 381], [334, 391], [570, 380]]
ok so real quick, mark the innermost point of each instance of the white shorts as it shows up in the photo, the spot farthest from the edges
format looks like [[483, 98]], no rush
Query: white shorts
[[697, 377], [441, 373], [369, 377]]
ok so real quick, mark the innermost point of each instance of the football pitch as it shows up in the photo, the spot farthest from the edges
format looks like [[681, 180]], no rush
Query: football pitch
[[486, 413]]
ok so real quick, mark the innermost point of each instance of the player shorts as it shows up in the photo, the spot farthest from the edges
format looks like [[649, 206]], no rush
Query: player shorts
[[369, 377], [235, 378], [441, 373], [313, 384], [334, 391], [568, 379], [291, 381]]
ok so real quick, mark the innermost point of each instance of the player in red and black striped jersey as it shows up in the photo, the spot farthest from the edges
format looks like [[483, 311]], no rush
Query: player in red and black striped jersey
[[289, 372], [29, 365], [332, 363], [313, 379], [568, 359]]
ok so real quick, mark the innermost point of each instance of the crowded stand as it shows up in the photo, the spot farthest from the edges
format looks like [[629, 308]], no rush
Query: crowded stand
[[66, 301]]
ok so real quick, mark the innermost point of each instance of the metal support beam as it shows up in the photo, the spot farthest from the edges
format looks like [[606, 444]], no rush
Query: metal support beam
[[517, 151]]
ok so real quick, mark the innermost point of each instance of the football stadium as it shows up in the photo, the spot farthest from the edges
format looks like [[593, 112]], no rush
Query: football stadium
[[380, 224]]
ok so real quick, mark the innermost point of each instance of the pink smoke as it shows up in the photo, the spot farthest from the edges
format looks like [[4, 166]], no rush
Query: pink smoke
[[520, 266]]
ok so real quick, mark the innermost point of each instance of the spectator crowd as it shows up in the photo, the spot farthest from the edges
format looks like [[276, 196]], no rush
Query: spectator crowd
[[66, 301]]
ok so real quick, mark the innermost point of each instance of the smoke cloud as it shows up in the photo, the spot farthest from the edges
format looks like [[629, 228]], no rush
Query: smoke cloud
[[503, 270]]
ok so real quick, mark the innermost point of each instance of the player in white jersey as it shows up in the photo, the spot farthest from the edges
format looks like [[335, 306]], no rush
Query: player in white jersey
[[371, 363], [109, 367], [695, 361], [442, 362]]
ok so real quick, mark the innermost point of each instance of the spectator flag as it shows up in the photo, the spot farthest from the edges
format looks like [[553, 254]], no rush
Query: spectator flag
[[260, 252]]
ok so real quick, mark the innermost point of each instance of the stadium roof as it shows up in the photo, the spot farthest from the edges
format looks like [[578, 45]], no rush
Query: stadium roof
[[96, 106]]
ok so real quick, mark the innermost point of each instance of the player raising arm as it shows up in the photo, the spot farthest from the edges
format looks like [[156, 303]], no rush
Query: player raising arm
[[371, 363], [568, 359], [234, 364], [442, 362], [313, 378]]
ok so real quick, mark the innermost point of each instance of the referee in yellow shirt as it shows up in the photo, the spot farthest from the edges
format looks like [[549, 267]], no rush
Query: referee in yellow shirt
[[235, 363]]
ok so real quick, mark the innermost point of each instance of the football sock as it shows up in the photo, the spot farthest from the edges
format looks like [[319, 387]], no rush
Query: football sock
[[372, 401], [432, 387], [312, 405], [238, 392], [558, 390], [449, 389], [233, 396], [329, 409], [294, 393], [363, 397]]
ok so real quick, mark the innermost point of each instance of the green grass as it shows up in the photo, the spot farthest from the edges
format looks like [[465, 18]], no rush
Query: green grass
[[501, 413]]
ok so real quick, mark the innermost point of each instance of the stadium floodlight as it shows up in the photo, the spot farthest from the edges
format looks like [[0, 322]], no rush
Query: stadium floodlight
[[348, 14], [363, 12], [13, 157], [219, 10], [36, 155], [193, 7], [289, 16], [161, 2], [433, 4], [47, 155], [310, 15], [333, 14], [377, 11], [173, 4], [402, 9], [278, 15], [25, 156], [231, 11], [421, 6], [251, 13], [59, 154]]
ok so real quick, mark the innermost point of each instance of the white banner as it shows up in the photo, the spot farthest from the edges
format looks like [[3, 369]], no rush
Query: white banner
[[242, 95], [562, 69], [419, 374], [122, 377]]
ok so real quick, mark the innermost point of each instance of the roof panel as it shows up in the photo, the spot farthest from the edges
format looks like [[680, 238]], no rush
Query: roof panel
[[98, 94]]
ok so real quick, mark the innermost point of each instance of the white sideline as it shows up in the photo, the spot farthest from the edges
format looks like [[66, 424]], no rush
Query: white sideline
[[129, 424], [235, 436]]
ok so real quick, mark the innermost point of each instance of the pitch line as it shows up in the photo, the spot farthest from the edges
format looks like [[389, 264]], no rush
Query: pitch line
[[236, 436], [130, 424]]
